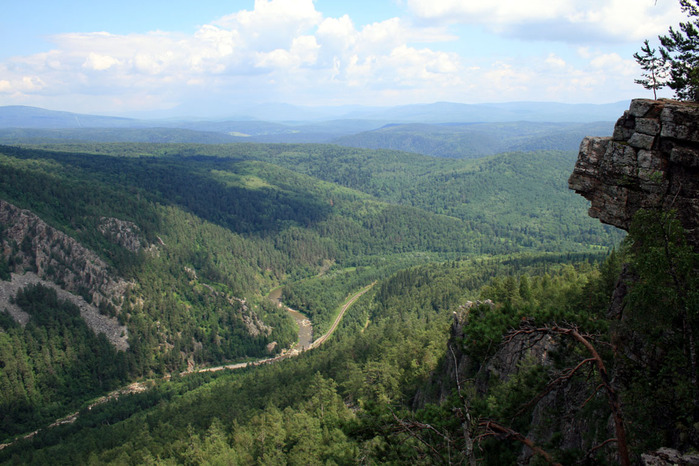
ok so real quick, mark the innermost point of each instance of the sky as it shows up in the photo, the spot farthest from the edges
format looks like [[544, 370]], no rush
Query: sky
[[216, 57]]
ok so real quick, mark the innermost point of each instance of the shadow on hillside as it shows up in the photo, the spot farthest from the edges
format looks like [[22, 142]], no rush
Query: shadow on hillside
[[188, 183]]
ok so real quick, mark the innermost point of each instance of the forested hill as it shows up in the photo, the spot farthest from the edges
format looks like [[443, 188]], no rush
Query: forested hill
[[509, 202], [462, 140], [217, 226], [473, 140], [443, 129]]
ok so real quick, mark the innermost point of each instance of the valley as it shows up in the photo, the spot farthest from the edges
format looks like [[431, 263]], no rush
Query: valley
[[404, 280], [198, 232], [311, 232], [305, 342]]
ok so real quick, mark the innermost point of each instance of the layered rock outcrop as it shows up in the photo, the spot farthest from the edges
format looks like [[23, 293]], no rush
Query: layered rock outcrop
[[650, 161], [32, 245], [38, 253]]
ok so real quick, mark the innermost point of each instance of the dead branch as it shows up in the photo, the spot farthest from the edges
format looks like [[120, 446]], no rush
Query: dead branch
[[612, 396], [595, 448], [592, 395], [495, 428], [553, 384], [511, 336], [412, 428], [463, 414]]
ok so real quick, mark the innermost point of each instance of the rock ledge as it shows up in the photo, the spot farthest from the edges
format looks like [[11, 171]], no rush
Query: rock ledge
[[651, 161]]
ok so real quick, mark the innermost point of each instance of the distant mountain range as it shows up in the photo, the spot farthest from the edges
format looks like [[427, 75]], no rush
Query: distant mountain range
[[446, 112], [440, 129]]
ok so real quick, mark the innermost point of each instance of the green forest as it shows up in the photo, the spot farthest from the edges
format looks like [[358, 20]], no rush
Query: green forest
[[498, 242], [370, 395], [304, 233]]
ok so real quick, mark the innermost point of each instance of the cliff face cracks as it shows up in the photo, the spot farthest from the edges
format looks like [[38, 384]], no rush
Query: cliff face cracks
[[651, 161]]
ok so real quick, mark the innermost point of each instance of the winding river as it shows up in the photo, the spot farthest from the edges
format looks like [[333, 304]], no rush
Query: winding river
[[305, 326], [305, 342], [305, 329]]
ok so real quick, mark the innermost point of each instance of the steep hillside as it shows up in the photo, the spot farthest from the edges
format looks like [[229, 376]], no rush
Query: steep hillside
[[170, 257], [197, 234], [346, 402], [38, 253], [519, 198], [609, 376]]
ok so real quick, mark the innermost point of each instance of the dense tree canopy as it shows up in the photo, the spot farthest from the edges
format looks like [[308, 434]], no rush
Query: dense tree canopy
[[221, 226]]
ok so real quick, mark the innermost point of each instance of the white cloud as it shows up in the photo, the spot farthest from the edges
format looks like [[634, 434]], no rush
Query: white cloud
[[18, 85], [273, 23], [507, 79], [339, 32], [503, 11], [303, 51], [286, 50], [99, 62], [278, 36], [566, 20], [415, 65], [216, 42], [555, 61]]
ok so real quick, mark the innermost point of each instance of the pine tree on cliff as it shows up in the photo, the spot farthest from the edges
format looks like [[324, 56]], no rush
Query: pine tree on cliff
[[654, 67], [680, 50]]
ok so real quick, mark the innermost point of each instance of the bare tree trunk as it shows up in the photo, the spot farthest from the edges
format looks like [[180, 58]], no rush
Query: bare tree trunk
[[497, 428], [612, 396]]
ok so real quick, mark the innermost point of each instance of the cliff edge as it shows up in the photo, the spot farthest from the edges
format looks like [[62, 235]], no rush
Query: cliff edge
[[651, 161]]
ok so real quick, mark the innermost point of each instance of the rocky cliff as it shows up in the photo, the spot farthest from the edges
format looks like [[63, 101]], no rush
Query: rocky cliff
[[38, 253], [650, 161], [573, 432]]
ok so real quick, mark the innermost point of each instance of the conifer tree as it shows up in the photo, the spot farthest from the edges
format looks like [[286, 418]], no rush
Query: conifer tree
[[655, 69], [680, 50]]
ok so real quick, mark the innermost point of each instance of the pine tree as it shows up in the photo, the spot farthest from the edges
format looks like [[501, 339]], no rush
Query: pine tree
[[655, 69], [680, 50]]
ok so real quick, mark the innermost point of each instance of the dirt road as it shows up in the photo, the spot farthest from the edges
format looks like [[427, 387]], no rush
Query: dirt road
[[137, 387]]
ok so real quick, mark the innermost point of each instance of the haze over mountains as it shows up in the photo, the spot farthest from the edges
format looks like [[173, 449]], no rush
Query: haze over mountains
[[440, 129]]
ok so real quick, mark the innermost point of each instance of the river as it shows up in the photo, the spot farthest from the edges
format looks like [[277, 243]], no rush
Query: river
[[305, 342], [304, 324]]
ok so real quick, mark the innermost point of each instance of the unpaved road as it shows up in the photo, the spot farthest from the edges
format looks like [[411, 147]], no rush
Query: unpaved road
[[346, 306], [305, 333], [301, 346]]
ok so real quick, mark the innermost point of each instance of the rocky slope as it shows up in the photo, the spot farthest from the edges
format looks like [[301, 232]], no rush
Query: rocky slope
[[116, 333], [38, 253], [651, 161], [573, 432]]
